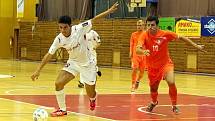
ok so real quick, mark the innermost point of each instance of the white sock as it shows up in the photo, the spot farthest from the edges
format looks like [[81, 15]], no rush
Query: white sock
[[61, 99]]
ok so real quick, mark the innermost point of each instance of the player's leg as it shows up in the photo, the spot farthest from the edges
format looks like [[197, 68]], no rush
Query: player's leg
[[134, 66], [172, 90], [91, 92], [62, 79], [170, 79], [133, 79], [141, 72], [68, 73], [88, 75], [154, 95], [154, 76]]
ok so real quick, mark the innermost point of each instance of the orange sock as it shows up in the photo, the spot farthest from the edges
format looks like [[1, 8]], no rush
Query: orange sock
[[173, 93], [154, 96], [134, 77]]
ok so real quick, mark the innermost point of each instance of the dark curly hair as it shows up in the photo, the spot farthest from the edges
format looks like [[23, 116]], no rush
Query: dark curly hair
[[153, 18], [65, 20]]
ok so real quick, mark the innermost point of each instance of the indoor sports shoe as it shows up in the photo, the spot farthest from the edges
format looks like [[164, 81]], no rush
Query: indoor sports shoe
[[58, 113], [132, 90], [137, 85], [99, 73], [151, 106], [175, 110], [80, 85], [92, 105]]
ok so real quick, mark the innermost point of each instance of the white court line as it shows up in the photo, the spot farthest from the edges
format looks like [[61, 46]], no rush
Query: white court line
[[141, 109], [91, 116], [20, 102], [164, 119], [6, 76], [51, 108], [10, 92]]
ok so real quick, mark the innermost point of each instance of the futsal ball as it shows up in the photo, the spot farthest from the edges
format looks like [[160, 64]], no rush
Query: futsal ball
[[40, 114]]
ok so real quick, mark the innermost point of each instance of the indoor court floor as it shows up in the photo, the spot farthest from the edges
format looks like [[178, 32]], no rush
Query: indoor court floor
[[19, 96]]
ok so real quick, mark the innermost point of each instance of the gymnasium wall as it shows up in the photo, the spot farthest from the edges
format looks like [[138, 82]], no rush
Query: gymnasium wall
[[115, 35], [9, 22], [6, 26]]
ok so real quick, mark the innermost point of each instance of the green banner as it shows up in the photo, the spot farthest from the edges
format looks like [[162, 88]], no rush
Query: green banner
[[167, 24]]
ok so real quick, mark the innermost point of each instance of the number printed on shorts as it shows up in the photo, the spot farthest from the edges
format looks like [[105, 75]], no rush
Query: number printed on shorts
[[67, 65]]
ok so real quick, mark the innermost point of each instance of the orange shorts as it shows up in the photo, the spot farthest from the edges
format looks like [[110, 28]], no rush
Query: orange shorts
[[138, 62], [158, 74]]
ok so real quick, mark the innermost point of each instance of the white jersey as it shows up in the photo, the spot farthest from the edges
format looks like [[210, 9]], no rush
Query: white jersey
[[93, 38], [75, 44]]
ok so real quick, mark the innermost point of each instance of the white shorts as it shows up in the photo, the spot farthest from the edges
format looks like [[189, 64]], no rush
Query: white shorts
[[87, 73]]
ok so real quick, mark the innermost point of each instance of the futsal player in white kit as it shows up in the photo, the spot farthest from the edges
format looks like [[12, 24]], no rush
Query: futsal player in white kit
[[94, 42], [80, 59]]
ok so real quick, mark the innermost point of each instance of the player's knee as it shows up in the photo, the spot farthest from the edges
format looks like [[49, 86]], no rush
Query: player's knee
[[171, 83], [59, 85], [154, 87]]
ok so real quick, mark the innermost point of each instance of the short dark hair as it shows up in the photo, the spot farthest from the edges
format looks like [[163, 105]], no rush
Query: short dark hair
[[65, 20], [153, 18]]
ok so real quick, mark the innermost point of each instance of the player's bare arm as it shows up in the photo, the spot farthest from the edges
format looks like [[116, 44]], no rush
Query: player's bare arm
[[112, 9], [44, 61], [187, 40]]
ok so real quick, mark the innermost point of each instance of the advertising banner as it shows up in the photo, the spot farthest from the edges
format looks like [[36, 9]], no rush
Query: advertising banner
[[167, 24], [138, 3], [208, 26], [188, 27]]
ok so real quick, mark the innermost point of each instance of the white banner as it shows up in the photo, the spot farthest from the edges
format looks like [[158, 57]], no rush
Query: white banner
[[20, 8]]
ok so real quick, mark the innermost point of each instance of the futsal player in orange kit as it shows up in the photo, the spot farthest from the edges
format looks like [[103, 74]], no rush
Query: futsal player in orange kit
[[154, 44], [137, 61]]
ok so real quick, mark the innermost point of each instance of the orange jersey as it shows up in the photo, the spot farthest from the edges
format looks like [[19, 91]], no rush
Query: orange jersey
[[133, 43], [158, 47]]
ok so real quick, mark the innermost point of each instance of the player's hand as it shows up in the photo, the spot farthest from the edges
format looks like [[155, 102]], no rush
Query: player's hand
[[35, 75], [201, 48], [146, 52], [113, 7]]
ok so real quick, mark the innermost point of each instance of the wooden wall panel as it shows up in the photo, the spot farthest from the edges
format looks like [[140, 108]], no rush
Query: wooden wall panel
[[115, 35]]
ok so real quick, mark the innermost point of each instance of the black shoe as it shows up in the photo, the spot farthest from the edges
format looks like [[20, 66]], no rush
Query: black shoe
[[99, 73], [136, 85], [80, 85], [151, 106]]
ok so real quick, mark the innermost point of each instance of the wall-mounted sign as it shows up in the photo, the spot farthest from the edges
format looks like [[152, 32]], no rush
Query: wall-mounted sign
[[208, 26], [189, 28]]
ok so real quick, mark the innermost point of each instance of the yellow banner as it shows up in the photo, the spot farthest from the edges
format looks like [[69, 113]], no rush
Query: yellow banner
[[188, 28], [20, 8], [138, 3]]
